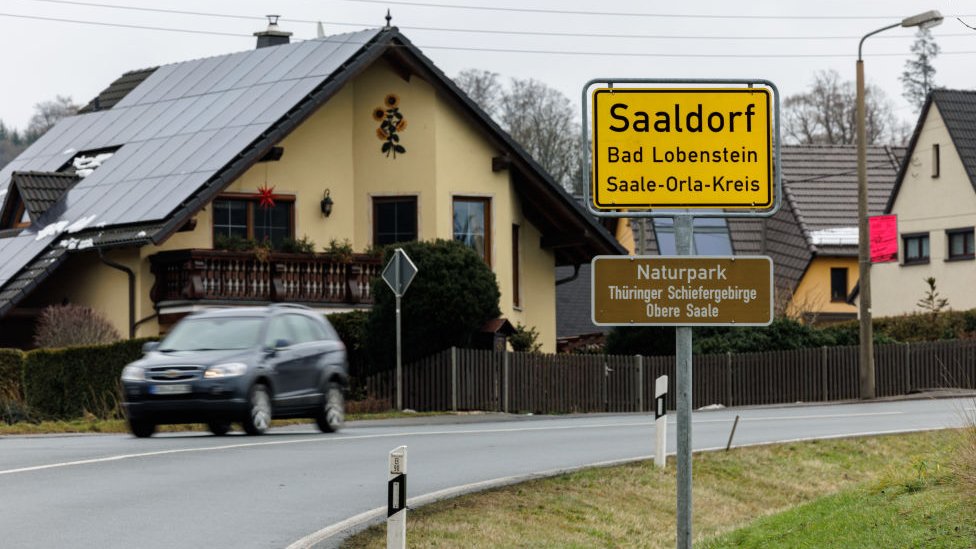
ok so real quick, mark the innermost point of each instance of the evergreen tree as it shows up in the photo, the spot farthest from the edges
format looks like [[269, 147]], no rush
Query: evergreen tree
[[918, 78]]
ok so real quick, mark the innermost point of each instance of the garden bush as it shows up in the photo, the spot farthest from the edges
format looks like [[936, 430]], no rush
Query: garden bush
[[66, 325], [450, 299]]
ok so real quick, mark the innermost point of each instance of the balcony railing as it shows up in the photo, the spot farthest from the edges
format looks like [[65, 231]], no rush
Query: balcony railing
[[244, 276]]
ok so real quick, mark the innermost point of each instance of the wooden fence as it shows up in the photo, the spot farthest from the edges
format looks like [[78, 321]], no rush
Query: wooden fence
[[465, 379]]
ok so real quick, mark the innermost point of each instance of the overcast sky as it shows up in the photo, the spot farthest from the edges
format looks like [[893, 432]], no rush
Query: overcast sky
[[47, 51]]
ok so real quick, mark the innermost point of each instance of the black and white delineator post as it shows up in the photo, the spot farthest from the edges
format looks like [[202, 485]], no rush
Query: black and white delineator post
[[661, 422], [396, 500]]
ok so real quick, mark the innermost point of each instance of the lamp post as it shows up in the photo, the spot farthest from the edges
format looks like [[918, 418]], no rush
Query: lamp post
[[866, 351]]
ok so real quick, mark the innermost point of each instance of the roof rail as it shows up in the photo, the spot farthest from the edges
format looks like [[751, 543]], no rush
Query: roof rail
[[289, 306]]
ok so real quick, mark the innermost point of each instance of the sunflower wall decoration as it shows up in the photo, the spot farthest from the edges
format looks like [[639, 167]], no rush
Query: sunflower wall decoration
[[391, 123]]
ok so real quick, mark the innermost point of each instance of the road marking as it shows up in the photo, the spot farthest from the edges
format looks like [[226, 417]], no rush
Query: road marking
[[122, 457]]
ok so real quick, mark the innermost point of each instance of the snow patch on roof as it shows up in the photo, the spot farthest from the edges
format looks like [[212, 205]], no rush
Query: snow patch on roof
[[85, 165], [54, 229], [836, 236], [81, 224], [141, 233]]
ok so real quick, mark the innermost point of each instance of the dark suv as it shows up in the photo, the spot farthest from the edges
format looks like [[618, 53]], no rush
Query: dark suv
[[242, 365]]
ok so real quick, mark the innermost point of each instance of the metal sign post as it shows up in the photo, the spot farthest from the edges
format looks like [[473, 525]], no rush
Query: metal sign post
[[396, 500], [683, 235], [398, 274]]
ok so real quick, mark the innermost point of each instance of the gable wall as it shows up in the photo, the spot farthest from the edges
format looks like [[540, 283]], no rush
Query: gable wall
[[932, 205]]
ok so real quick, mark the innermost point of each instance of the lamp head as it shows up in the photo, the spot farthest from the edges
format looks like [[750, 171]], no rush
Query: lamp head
[[326, 204], [925, 20]]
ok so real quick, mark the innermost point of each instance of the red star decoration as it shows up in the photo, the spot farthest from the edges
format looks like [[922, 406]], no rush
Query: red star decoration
[[267, 196]]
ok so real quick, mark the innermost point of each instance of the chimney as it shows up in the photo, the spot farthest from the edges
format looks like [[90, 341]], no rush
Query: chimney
[[273, 36]]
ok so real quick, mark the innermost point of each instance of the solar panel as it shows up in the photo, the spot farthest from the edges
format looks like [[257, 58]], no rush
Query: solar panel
[[175, 130]]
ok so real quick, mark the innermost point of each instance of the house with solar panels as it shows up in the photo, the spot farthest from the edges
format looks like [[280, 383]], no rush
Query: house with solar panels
[[136, 205], [934, 202]]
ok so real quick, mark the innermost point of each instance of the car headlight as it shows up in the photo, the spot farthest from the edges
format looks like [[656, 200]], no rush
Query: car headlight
[[230, 369], [133, 373]]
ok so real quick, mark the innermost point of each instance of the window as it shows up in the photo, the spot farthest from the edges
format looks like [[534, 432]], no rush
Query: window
[[246, 218], [394, 219], [472, 224], [516, 292], [711, 236], [935, 160], [916, 248], [838, 284], [961, 245]]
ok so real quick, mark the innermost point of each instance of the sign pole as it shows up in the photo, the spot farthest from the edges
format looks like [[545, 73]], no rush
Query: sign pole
[[683, 237], [399, 364]]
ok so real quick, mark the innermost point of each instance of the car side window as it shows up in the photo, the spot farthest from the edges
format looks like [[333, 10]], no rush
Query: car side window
[[301, 328], [278, 329]]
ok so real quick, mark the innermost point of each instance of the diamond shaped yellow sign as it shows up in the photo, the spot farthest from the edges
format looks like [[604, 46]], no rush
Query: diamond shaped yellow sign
[[682, 148]]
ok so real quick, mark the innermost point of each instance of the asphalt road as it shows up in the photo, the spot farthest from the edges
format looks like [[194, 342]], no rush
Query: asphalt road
[[296, 487]]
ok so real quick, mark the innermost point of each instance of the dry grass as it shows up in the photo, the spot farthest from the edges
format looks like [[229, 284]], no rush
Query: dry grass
[[634, 505]]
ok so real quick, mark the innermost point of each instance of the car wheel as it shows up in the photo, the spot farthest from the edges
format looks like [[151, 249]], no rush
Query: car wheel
[[332, 413], [258, 417], [142, 429], [219, 428]]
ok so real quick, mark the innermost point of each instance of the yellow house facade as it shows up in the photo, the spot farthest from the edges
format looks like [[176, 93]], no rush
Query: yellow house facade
[[442, 170]]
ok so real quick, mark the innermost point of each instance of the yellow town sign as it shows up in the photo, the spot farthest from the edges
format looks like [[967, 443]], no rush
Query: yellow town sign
[[682, 148]]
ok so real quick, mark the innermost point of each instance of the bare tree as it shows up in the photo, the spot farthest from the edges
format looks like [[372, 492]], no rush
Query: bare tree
[[483, 87], [538, 117], [827, 114], [47, 114], [918, 78]]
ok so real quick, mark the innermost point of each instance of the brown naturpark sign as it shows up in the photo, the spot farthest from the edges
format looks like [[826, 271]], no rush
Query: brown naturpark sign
[[682, 290]]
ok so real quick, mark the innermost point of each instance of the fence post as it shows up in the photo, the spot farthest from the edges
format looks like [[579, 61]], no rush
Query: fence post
[[454, 380], [639, 361], [908, 368], [728, 377], [505, 381], [823, 371]]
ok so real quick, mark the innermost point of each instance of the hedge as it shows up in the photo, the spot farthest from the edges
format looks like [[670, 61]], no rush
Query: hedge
[[11, 368], [67, 383]]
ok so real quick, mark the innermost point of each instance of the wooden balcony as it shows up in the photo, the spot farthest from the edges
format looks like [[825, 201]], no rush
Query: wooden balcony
[[218, 275]]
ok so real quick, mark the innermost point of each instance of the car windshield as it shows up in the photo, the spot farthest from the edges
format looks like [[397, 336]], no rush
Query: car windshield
[[213, 334]]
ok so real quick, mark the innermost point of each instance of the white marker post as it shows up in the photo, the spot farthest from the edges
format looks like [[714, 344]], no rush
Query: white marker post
[[661, 422], [396, 500]]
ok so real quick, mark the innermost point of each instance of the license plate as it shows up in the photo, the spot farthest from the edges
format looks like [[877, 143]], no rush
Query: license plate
[[173, 389]]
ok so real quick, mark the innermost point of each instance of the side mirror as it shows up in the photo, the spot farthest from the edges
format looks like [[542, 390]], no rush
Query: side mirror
[[282, 343], [149, 346]]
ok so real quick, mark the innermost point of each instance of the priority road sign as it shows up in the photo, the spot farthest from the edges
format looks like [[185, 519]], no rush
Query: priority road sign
[[399, 272]]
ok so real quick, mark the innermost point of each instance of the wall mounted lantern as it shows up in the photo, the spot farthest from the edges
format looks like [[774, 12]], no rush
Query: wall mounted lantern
[[326, 204]]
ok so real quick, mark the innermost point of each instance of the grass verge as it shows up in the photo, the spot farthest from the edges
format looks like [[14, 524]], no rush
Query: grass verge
[[634, 505]]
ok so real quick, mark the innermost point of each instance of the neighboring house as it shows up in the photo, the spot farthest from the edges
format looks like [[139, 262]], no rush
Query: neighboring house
[[812, 239], [934, 200], [353, 138]]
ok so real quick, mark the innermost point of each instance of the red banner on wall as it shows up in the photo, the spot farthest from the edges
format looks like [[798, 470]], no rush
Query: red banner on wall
[[883, 235]]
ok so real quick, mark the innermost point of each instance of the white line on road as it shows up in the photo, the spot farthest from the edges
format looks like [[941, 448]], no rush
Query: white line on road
[[408, 434]]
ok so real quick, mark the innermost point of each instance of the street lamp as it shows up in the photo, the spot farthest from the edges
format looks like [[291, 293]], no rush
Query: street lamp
[[866, 354]]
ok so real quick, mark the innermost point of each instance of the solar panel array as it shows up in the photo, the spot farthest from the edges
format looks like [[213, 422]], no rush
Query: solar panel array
[[174, 131]]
